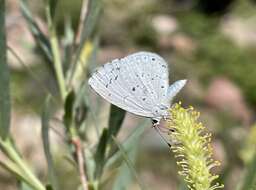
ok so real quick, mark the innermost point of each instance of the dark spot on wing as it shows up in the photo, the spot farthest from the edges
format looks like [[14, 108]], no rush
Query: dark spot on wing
[[133, 89], [106, 85], [164, 66], [143, 99], [153, 59], [118, 68], [116, 77], [152, 78], [162, 86]]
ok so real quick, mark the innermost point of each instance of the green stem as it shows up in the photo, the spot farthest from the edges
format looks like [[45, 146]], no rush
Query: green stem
[[8, 148], [56, 54], [4, 78], [15, 170]]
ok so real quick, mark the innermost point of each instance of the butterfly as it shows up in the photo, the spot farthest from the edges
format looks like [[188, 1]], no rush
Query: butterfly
[[137, 83]]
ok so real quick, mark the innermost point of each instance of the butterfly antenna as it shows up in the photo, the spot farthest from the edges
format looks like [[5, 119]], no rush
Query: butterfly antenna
[[161, 135]]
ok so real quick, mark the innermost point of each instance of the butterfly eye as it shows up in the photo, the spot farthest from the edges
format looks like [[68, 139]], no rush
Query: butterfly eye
[[154, 121]]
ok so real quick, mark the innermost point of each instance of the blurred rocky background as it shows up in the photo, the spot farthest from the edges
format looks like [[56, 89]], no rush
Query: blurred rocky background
[[212, 43]]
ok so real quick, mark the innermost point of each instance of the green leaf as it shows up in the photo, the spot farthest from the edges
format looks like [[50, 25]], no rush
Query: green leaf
[[15, 170], [182, 186], [124, 176], [22, 169], [29, 70], [90, 22], [37, 33], [68, 41], [115, 121], [129, 143], [94, 107], [24, 186], [129, 162], [80, 105], [93, 14], [249, 182], [48, 187], [88, 30], [53, 5], [46, 143], [90, 164], [68, 115], [4, 78], [100, 153]]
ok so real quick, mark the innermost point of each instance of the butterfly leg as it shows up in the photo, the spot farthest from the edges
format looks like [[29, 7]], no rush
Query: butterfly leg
[[156, 127]]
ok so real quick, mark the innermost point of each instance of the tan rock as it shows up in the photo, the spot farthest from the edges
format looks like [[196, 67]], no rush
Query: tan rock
[[241, 30], [226, 96], [164, 24]]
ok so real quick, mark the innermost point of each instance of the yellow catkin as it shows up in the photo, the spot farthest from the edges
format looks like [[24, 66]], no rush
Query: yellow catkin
[[192, 149], [82, 63]]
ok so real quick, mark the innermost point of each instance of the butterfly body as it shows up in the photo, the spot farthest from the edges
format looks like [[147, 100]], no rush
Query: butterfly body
[[137, 83]]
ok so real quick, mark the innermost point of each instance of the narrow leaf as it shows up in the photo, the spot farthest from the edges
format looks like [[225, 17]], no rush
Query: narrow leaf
[[48, 187], [37, 33], [46, 143], [128, 144], [129, 162], [4, 78], [182, 186], [15, 170], [124, 176], [80, 105], [24, 186], [115, 121], [88, 30], [89, 25], [100, 153], [68, 116], [68, 41], [53, 5], [90, 164], [250, 176]]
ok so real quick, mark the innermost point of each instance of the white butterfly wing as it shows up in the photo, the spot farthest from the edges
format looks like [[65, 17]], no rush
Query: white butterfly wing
[[152, 71], [136, 83], [174, 89], [110, 83]]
